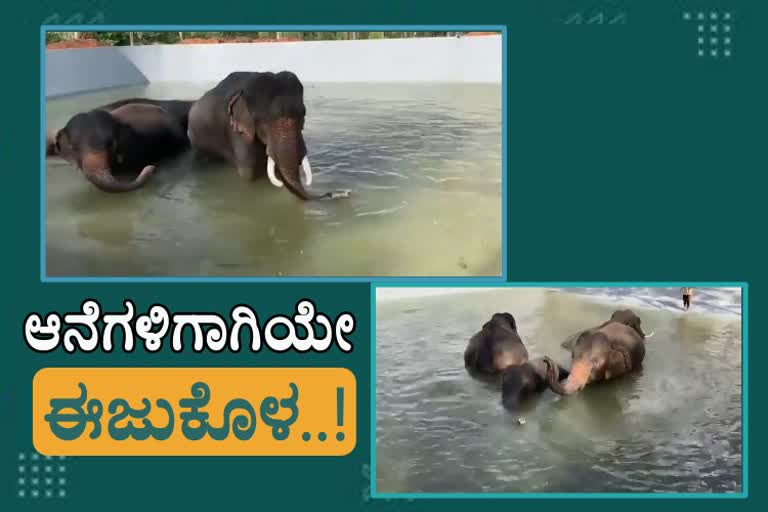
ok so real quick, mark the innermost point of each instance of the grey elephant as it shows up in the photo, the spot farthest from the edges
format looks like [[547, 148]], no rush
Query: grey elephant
[[601, 353], [255, 122], [117, 146]]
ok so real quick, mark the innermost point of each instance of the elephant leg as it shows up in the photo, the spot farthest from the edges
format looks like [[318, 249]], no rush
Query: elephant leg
[[250, 159]]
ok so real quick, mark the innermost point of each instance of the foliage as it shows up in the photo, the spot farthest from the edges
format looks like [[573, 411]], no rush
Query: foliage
[[141, 38]]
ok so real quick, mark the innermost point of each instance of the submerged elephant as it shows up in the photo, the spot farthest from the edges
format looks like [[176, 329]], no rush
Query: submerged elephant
[[623, 316], [495, 347], [607, 351], [118, 145], [255, 121], [520, 383]]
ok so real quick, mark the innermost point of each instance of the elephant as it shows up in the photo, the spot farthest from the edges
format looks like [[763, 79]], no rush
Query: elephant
[[601, 353], [496, 347], [123, 139], [255, 120], [520, 383], [178, 109], [624, 316]]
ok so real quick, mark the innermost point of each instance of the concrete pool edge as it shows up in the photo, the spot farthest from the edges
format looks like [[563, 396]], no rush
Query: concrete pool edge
[[425, 60]]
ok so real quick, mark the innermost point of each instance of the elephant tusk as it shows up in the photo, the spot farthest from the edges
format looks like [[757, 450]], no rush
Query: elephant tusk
[[271, 173], [650, 335], [307, 171]]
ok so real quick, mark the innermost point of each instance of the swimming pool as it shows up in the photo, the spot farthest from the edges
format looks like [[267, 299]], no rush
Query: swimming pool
[[674, 426], [423, 161]]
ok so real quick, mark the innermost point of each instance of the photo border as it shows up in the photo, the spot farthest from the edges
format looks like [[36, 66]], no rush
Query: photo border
[[265, 279], [744, 494]]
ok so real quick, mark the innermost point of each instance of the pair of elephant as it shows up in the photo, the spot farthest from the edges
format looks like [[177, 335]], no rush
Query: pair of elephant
[[251, 120], [600, 353]]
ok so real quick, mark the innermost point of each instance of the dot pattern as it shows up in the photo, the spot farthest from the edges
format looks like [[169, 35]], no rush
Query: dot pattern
[[322, 436], [714, 39], [40, 477]]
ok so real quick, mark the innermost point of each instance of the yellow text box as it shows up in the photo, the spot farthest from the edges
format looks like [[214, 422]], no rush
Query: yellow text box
[[162, 411]]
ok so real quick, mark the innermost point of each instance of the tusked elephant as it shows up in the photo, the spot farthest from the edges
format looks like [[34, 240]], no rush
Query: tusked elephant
[[601, 353], [118, 145], [255, 121], [624, 316]]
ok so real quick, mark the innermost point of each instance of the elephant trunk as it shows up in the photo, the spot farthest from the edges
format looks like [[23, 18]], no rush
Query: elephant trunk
[[284, 152], [105, 181], [95, 167], [577, 379], [286, 156]]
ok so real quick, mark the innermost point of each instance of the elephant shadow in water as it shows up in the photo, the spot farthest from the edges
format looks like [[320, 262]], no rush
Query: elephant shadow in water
[[253, 232], [114, 221], [602, 404]]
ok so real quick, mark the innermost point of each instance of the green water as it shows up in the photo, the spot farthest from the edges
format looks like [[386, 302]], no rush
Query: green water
[[423, 163], [673, 427]]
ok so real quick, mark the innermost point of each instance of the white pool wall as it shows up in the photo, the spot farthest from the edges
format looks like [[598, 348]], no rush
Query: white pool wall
[[474, 59], [88, 69]]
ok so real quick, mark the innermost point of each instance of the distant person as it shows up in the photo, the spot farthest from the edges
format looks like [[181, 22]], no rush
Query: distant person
[[687, 294]]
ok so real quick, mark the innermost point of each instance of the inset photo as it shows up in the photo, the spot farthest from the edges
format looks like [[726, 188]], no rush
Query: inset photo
[[605, 391], [272, 154]]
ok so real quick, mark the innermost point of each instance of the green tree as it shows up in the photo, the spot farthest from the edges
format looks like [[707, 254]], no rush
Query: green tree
[[142, 38]]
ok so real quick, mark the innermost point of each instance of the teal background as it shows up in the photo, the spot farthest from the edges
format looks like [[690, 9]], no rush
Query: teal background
[[629, 159]]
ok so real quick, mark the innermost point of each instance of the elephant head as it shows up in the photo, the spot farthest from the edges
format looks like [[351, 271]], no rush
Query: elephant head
[[269, 110], [595, 357], [92, 141], [629, 318], [496, 347], [518, 384]]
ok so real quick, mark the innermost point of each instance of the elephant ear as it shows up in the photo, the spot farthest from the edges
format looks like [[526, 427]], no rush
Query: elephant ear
[[121, 139], [62, 143], [240, 118], [51, 148], [511, 320], [623, 354], [504, 318], [636, 326], [570, 342]]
